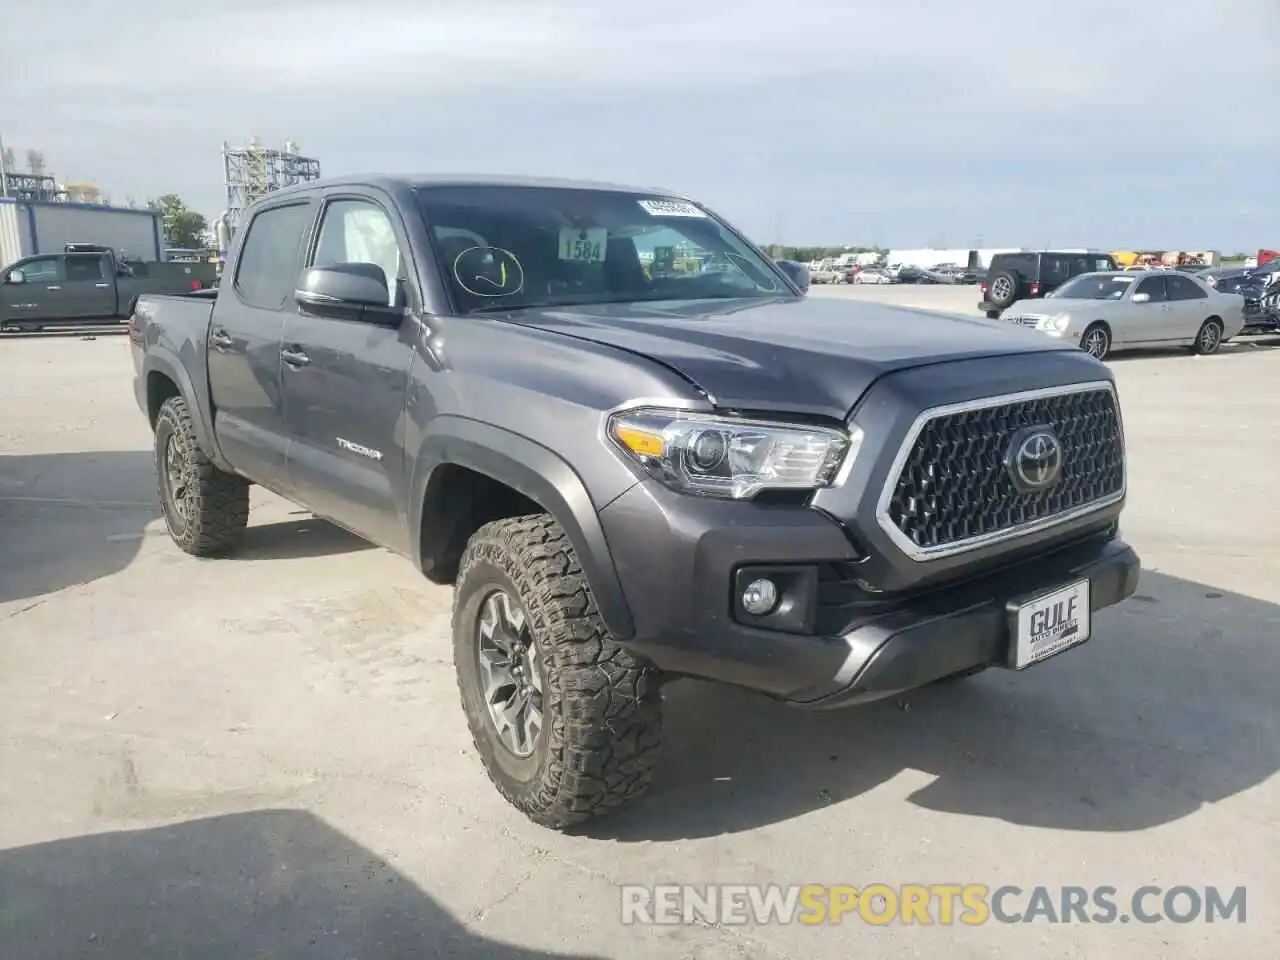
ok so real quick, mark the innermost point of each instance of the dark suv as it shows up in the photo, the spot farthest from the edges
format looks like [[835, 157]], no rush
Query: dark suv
[[1033, 273]]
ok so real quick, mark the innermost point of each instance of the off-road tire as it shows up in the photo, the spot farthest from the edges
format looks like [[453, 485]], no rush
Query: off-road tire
[[602, 706], [1205, 345], [218, 502]]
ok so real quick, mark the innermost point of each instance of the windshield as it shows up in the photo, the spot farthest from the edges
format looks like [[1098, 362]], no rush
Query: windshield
[[1095, 286], [510, 247]]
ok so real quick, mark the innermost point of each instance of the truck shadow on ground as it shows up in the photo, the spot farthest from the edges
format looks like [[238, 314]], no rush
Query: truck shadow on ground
[[72, 518], [272, 883], [1172, 706]]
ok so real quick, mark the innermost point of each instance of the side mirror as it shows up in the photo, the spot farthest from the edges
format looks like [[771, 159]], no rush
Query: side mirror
[[15, 277], [1140, 297], [358, 290], [798, 273]]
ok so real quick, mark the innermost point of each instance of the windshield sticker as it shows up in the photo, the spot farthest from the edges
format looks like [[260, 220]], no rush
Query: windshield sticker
[[488, 272], [671, 208], [584, 246]]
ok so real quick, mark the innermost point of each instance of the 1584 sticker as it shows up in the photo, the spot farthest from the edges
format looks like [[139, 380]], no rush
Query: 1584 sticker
[[584, 246], [671, 208]]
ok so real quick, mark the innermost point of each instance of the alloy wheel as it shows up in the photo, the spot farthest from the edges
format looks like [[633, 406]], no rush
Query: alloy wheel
[[510, 672], [1095, 343], [177, 479]]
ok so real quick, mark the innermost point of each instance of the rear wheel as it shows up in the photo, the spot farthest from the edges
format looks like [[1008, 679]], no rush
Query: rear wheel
[[205, 509], [1209, 339], [1096, 341]]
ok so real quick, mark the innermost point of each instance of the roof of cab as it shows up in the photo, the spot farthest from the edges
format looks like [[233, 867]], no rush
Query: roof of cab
[[415, 181]]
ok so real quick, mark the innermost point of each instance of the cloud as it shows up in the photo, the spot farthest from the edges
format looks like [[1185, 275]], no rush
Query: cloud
[[1114, 125]]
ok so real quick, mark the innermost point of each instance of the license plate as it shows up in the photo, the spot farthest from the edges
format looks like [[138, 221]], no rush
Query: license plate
[[1049, 624]]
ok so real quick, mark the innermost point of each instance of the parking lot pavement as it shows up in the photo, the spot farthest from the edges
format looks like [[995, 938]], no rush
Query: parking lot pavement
[[960, 298], [265, 756]]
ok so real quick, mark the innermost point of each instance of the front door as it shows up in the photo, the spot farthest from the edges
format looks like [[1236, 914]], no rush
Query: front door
[[40, 295], [244, 343], [89, 287], [345, 383], [1150, 321]]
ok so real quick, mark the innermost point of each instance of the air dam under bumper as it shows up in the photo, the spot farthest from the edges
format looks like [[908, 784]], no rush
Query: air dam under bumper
[[678, 558]]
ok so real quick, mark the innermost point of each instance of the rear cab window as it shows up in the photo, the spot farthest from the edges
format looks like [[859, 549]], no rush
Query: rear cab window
[[83, 268]]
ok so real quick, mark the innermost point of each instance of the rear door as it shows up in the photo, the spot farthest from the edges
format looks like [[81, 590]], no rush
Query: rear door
[[1188, 306], [89, 288], [245, 338], [345, 380]]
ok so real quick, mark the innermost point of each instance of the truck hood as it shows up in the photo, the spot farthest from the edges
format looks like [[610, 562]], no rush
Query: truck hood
[[812, 355]]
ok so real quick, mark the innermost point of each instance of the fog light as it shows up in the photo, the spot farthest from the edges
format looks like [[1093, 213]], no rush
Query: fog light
[[760, 597]]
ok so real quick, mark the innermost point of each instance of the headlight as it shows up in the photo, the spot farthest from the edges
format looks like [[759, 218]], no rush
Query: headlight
[[728, 458], [1055, 324]]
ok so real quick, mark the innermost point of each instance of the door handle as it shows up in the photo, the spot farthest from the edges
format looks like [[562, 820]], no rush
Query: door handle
[[294, 357], [220, 340], [53, 286], [102, 286]]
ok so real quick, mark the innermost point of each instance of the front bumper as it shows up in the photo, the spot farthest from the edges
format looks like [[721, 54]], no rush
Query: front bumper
[[682, 563]]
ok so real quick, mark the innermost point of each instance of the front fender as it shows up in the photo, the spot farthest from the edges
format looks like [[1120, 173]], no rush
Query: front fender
[[539, 474]]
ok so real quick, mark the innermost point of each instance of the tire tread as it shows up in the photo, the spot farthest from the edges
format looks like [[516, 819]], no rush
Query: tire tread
[[605, 737]]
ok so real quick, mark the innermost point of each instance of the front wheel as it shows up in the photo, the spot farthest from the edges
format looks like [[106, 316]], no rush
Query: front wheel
[[1209, 339], [567, 723], [1096, 341], [205, 509]]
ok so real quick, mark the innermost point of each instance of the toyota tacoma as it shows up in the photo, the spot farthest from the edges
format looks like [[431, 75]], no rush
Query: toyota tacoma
[[638, 452]]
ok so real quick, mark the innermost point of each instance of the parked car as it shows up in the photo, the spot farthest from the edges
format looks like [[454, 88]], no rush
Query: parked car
[[826, 273], [872, 275], [72, 289], [1250, 289], [1029, 274], [1115, 310], [447, 368]]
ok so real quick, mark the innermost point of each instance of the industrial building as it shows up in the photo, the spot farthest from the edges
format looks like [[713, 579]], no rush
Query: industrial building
[[28, 227]]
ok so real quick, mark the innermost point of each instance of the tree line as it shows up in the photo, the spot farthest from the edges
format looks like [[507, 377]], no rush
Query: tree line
[[184, 228]]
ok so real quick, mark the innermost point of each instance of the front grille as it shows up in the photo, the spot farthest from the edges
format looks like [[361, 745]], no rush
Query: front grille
[[954, 490], [1022, 321]]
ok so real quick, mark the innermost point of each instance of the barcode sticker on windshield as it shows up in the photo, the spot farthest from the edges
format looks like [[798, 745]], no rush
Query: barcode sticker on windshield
[[671, 208]]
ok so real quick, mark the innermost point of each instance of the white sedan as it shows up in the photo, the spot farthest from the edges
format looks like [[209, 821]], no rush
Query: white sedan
[[872, 275], [1102, 312]]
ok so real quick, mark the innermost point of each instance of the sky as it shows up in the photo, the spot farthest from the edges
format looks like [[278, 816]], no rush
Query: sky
[[907, 123]]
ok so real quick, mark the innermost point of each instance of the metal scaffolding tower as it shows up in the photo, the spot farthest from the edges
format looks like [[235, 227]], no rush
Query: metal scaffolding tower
[[253, 171]]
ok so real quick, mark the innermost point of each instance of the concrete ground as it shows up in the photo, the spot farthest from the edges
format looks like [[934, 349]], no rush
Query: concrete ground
[[264, 756]]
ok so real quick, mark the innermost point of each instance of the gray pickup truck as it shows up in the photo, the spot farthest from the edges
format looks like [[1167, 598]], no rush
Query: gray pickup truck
[[632, 467], [72, 289]]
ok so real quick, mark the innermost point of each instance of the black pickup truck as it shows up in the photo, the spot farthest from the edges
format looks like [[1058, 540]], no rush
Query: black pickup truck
[[86, 286], [636, 467]]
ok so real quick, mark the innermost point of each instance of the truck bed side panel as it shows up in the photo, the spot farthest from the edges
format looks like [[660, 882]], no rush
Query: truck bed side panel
[[169, 341]]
